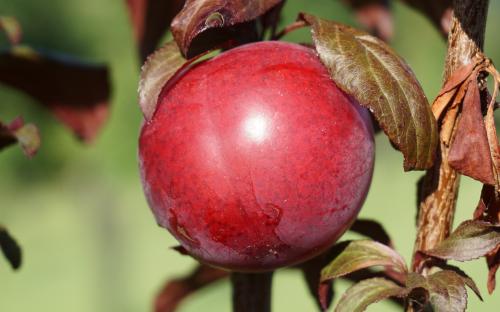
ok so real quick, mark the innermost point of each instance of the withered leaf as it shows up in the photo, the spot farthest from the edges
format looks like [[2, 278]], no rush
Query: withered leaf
[[469, 152], [359, 296], [450, 118], [217, 21], [375, 15], [27, 135], [488, 209], [470, 240], [161, 69], [76, 92], [370, 71], [10, 248], [151, 19], [362, 254], [12, 29]]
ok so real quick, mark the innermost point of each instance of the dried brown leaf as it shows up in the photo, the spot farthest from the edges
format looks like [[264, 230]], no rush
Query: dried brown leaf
[[218, 21], [12, 29], [469, 152], [151, 19], [77, 93], [370, 71]]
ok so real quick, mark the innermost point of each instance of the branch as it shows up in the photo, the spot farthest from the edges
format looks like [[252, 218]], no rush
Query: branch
[[251, 291], [439, 188]]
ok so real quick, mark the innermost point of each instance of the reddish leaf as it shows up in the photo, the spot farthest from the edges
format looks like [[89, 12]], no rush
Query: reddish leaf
[[469, 152], [77, 93], [470, 240], [204, 24], [358, 297], [370, 71], [488, 209], [177, 290], [375, 15], [27, 136], [10, 248], [151, 19], [12, 29]]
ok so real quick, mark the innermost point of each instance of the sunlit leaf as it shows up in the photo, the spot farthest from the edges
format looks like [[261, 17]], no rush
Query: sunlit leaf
[[370, 71], [77, 93], [204, 24], [472, 239], [362, 254], [361, 295], [10, 248]]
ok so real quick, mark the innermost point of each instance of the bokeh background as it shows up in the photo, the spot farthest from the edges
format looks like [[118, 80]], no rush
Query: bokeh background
[[90, 242]]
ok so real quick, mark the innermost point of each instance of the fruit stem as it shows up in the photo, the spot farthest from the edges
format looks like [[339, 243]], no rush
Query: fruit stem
[[438, 190], [251, 291]]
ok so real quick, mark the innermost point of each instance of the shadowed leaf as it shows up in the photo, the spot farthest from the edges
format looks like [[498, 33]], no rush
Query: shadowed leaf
[[359, 296], [370, 71], [151, 19], [76, 92], [362, 254], [375, 15], [204, 24], [177, 290], [469, 152], [371, 229], [27, 136], [159, 70], [12, 29], [472, 239], [10, 248]]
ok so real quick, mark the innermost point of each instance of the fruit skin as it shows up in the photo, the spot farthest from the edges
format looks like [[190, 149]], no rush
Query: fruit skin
[[254, 159]]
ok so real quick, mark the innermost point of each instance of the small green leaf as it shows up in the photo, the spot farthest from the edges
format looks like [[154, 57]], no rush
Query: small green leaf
[[369, 70], [472, 239], [12, 29], [360, 255], [358, 297], [10, 248]]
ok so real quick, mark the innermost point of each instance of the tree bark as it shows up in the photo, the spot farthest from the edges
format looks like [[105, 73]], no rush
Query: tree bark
[[438, 190], [251, 291]]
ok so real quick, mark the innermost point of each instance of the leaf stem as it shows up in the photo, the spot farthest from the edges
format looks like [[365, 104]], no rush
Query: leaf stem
[[251, 291]]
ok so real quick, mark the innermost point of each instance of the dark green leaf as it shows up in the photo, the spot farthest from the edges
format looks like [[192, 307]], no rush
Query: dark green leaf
[[10, 248], [219, 20], [77, 93], [370, 71], [362, 254], [361, 295], [371, 229], [472, 239], [11, 28], [26, 135]]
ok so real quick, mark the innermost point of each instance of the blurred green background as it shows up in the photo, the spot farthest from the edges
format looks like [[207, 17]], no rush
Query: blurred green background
[[90, 242]]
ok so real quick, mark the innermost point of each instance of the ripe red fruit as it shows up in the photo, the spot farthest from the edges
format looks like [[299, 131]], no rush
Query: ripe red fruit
[[255, 159]]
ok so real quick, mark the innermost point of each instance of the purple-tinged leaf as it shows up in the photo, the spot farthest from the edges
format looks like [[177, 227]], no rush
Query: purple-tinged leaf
[[369, 70], [161, 68], [151, 19], [10, 248], [359, 296], [472, 239], [27, 135], [362, 254], [12, 29], [175, 291], [375, 15], [77, 93], [203, 24]]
